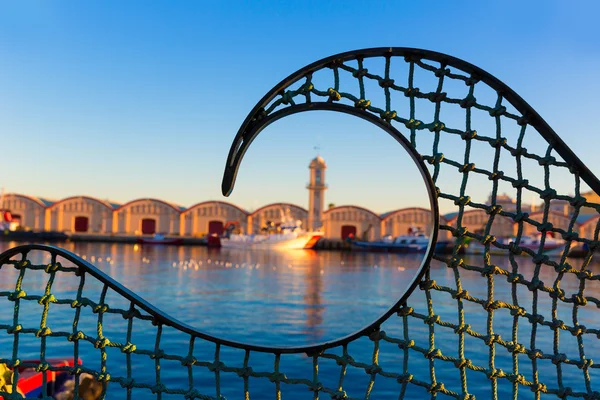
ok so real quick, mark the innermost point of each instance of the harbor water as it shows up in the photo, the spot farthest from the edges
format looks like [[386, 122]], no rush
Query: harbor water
[[278, 298]]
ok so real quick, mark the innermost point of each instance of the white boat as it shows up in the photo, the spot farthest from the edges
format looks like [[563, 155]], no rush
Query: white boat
[[413, 242], [159, 239], [287, 236], [552, 246], [283, 241], [475, 247], [6, 220]]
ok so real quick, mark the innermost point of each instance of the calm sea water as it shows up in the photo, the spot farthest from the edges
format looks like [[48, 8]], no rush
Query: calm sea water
[[287, 299]]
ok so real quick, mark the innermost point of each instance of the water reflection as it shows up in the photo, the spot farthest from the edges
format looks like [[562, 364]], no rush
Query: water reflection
[[313, 302], [301, 297], [305, 297]]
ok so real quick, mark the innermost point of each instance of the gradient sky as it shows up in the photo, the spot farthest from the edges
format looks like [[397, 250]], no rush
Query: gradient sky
[[122, 100]]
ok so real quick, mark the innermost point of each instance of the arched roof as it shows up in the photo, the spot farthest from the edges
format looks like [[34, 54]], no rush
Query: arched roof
[[173, 206], [280, 205], [555, 213], [453, 216], [591, 195], [338, 208], [402, 210], [586, 219], [102, 202], [26, 197], [215, 202]]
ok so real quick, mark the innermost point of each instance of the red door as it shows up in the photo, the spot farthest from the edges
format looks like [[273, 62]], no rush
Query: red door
[[215, 227], [148, 226], [81, 224], [348, 230]]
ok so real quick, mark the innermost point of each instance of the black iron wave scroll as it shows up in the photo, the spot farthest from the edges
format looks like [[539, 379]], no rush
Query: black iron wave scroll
[[263, 112], [301, 92]]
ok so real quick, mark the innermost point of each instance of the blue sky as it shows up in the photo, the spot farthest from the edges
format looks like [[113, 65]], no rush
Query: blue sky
[[133, 99]]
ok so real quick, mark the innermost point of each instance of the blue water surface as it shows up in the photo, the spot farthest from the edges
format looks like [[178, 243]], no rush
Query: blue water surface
[[289, 299]]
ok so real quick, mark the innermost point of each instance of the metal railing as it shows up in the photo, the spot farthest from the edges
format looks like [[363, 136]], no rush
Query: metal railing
[[436, 106]]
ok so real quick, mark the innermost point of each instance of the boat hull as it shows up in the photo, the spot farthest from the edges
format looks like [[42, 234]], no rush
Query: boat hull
[[550, 249], [307, 241], [31, 382], [395, 248], [160, 241]]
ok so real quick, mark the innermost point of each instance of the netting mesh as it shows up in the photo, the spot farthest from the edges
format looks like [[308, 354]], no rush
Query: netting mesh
[[529, 311]]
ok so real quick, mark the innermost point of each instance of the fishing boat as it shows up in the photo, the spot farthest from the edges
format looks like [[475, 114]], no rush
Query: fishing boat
[[287, 235], [550, 242], [6, 220], [552, 245], [474, 247], [414, 242], [60, 384], [159, 238]]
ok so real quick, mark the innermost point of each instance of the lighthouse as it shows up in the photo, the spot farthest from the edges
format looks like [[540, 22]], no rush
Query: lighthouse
[[316, 193]]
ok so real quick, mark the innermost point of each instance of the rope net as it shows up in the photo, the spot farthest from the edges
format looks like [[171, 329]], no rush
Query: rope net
[[531, 312]]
